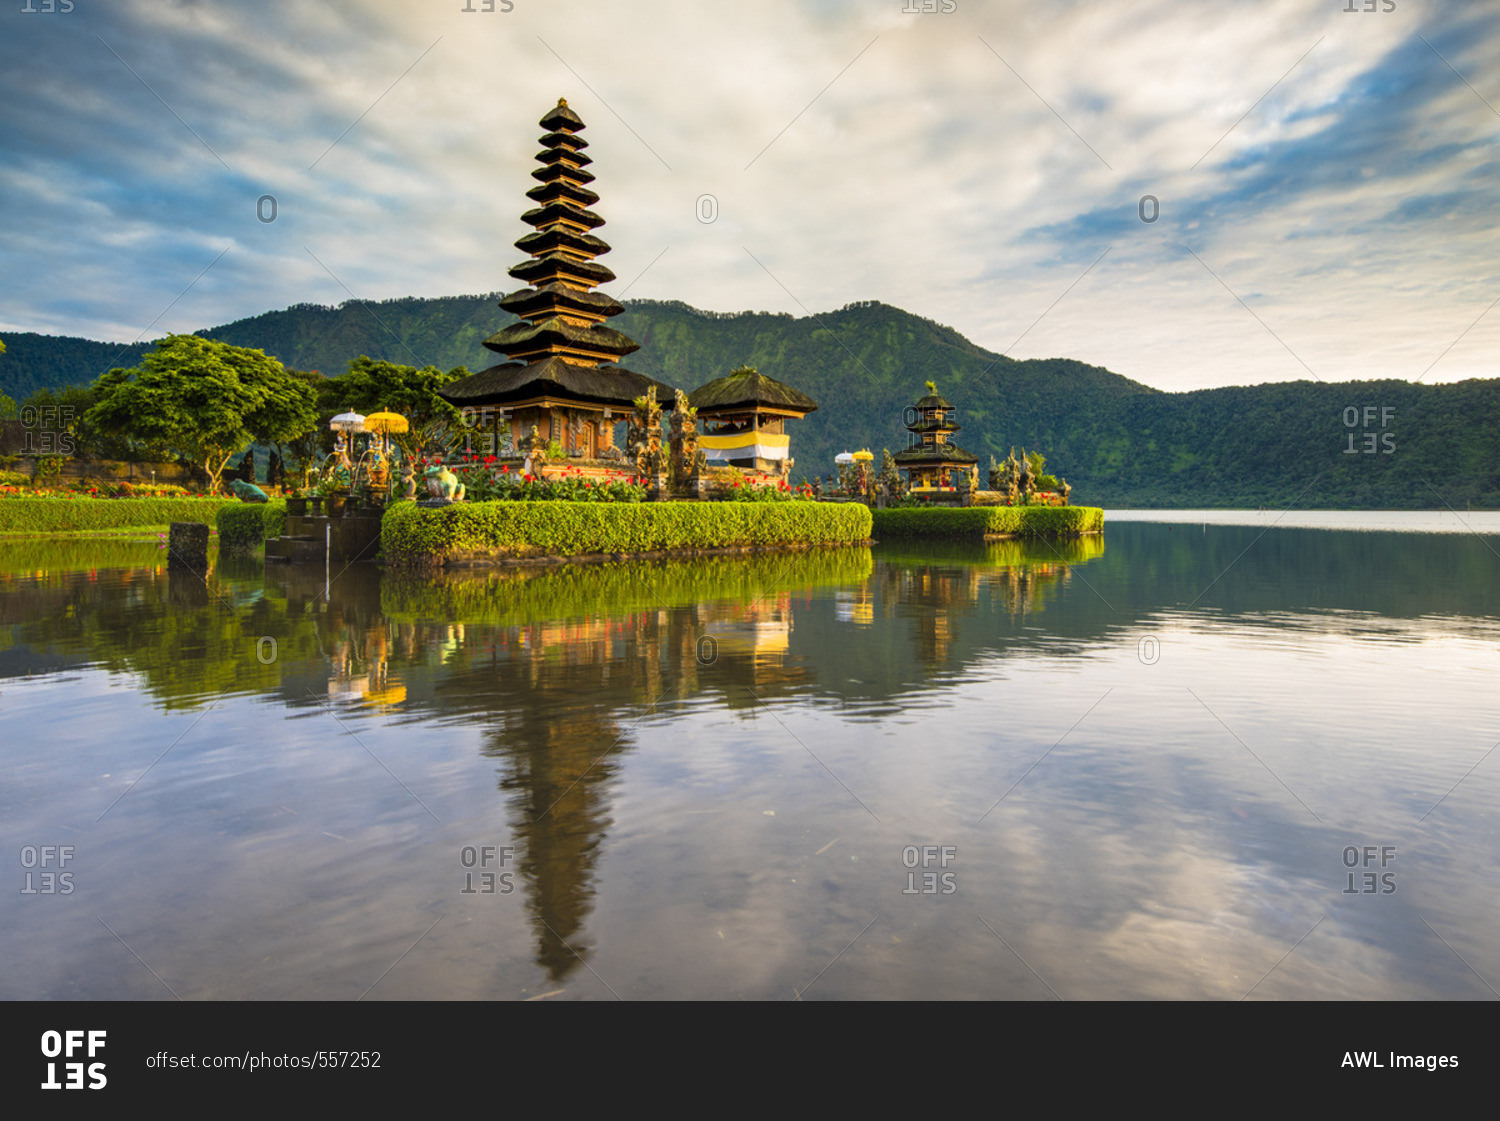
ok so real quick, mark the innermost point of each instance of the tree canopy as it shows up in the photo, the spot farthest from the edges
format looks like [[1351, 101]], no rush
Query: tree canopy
[[375, 384], [206, 399]]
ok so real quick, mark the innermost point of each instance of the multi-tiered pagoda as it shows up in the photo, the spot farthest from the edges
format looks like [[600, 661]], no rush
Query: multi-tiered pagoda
[[936, 469], [561, 376]]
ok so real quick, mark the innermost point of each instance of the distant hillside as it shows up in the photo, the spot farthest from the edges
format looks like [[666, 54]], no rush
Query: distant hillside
[[1117, 441]]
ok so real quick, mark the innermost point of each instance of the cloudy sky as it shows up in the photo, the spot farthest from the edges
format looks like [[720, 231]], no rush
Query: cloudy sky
[[1328, 203]]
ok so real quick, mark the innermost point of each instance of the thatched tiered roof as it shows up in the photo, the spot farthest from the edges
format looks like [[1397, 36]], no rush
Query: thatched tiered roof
[[560, 349], [747, 388]]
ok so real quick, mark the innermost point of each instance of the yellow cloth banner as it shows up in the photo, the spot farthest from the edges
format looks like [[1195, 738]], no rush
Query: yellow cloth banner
[[743, 445], [745, 440]]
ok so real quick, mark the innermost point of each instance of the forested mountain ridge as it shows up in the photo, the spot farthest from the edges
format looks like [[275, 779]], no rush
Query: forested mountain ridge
[[1117, 441]]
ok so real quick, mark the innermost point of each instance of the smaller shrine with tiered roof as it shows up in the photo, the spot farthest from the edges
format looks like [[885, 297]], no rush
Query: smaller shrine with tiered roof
[[744, 414], [936, 468]]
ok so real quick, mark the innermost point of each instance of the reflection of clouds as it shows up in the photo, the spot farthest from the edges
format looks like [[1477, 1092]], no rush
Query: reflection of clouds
[[1149, 854]]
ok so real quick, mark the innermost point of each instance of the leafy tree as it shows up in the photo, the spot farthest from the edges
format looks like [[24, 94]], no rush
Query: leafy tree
[[372, 385], [309, 447], [7, 407], [206, 398]]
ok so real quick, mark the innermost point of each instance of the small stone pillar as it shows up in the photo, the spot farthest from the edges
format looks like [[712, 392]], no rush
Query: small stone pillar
[[187, 546]]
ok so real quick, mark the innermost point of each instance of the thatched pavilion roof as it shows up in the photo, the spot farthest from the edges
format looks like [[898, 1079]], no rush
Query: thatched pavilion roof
[[746, 387]]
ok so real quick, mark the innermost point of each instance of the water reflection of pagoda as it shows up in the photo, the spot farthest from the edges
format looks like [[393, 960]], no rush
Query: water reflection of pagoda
[[561, 756]]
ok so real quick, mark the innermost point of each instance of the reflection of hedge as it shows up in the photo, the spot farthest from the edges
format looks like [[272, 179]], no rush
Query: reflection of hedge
[[977, 521], [411, 534], [66, 554], [60, 515], [244, 525], [514, 596], [1015, 552]]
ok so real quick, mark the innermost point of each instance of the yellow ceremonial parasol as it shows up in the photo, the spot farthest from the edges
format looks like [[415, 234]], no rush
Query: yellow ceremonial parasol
[[865, 454], [386, 423]]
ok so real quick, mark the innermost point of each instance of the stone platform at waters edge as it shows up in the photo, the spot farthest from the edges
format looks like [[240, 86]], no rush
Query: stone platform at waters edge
[[311, 539]]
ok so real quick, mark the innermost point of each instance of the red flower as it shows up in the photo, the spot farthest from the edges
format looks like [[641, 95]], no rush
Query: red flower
[[505, 469]]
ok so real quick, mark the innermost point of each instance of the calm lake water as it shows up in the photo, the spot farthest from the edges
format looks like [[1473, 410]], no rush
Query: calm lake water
[[1156, 764]]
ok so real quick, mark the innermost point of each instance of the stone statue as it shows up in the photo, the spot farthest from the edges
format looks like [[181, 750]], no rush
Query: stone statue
[[644, 436], [247, 492], [687, 459], [1005, 477], [408, 481], [443, 483]]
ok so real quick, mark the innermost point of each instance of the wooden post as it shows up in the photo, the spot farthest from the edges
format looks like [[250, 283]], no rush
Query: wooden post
[[187, 546]]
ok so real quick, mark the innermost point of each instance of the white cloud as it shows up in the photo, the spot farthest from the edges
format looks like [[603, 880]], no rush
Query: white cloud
[[895, 157]]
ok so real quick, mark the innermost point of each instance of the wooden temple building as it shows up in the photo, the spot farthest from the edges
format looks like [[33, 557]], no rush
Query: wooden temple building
[[937, 469], [744, 415], [561, 374]]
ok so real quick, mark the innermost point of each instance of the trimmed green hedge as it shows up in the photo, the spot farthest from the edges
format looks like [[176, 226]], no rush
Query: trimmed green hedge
[[28, 514], [413, 535], [978, 521], [244, 525]]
